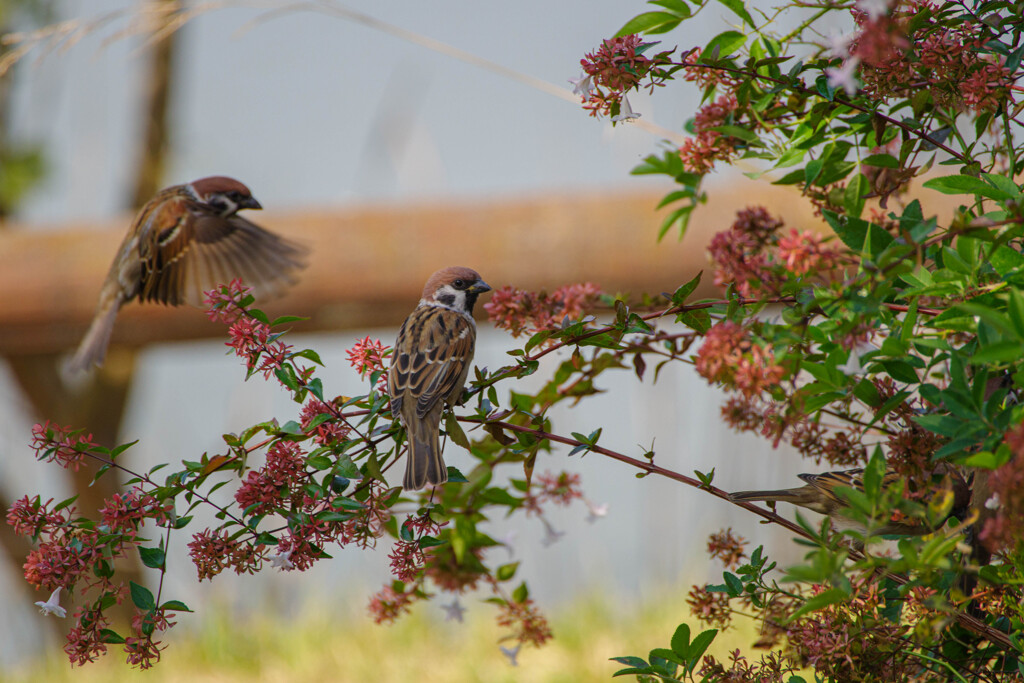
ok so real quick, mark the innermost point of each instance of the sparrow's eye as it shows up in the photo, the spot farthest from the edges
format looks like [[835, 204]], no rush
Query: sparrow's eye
[[459, 284]]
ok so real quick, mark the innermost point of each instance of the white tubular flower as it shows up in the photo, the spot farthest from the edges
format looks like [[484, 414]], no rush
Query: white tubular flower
[[626, 112], [52, 606]]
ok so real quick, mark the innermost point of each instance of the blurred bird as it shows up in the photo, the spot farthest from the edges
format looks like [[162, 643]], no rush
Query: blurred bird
[[185, 240], [429, 367], [819, 495]]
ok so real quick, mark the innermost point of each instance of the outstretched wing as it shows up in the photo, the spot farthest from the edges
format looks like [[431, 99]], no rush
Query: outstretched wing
[[187, 250]]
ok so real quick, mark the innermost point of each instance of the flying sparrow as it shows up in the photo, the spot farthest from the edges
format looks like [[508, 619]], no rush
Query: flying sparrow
[[430, 364], [185, 240], [819, 495]]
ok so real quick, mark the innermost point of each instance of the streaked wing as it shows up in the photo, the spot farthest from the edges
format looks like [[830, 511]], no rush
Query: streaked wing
[[163, 240], [200, 251], [827, 482], [431, 358]]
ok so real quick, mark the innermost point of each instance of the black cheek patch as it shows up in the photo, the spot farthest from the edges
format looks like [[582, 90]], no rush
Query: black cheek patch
[[446, 299]]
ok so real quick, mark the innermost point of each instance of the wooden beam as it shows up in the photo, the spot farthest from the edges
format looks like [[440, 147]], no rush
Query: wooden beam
[[367, 263]]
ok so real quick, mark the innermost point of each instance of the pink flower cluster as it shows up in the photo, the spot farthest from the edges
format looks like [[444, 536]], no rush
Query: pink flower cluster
[[62, 445], [329, 431], [1005, 530], [700, 153], [850, 640], [67, 552], [561, 488], [728, 356], [757, 257], [804, 252], [251, 338], [909, 49], [408, 558], [126, 513], [142, 650], [253, 341], [70, 553], [528, 624], [214, 551], [739, 252], [85, 641], [367, 356], [388, 604], [276, 484], [520, 311], [706, 77], [31, 517], [614, 69], [727, 547], [277, 488], [225, 304]]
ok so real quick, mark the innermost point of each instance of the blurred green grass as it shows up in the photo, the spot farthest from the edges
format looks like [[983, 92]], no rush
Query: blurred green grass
[[346, 645]]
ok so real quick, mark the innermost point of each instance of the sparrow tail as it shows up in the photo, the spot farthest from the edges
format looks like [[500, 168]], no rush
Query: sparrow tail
[[795, 496], [93, 347], [425, 464]]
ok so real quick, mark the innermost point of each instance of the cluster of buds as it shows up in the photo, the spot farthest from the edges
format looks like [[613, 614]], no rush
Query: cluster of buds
[[614, 69], [520, 311]]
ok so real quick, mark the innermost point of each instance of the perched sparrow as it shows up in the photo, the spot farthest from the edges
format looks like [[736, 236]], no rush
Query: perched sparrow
[[819, 495], [185, 240], [430, 364]]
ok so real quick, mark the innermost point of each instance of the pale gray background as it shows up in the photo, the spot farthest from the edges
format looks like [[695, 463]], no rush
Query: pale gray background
[[315, 111]]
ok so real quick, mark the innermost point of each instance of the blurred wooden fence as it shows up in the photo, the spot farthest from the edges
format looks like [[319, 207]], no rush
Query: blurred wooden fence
[[367, 263]]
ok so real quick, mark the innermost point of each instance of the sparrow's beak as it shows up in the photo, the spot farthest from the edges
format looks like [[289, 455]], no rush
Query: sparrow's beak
[[250, 203], [479, 287]]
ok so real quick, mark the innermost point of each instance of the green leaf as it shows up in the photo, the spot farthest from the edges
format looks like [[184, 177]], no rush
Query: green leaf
[[319, 462], [176, 606], [999, 352], [111, 637], [677, 7], [943, 425], [823, 599], [723, 45], [881, 161], [310, 354], [699, 645], [965, 184], [679, 296], [699, 320], [739, 10], [812, 171], [853, 196], [901, 371], [650, 22], [681, 641], [506, 571], [1002, 183], [286, 319], [454, 431], [989, 315], [866, 391], [859, 234], [152, 557], [665, 655], [141, 596], [736, 132], [292, 427], [455, 476]]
